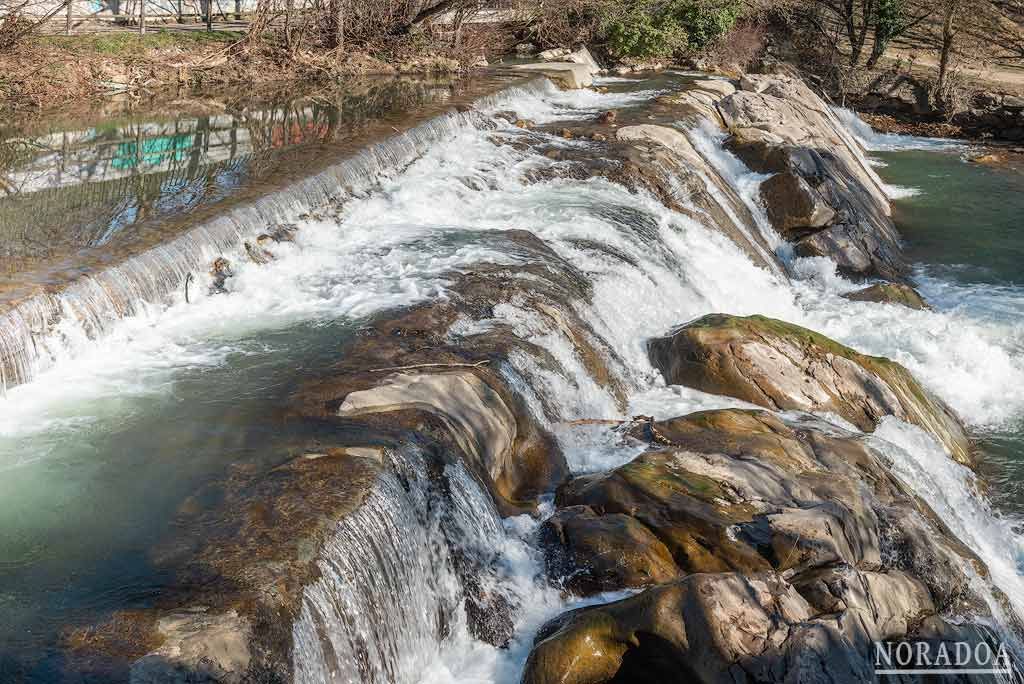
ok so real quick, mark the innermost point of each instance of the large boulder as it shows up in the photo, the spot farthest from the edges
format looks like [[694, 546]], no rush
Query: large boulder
[[795, 550], [724, 627], [787, 108], [784, 366], [826, 198], [746, 491], [816, 200]]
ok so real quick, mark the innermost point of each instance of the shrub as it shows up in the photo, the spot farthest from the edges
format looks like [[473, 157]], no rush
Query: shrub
[[659, 28], [641, 34], [705, 20]]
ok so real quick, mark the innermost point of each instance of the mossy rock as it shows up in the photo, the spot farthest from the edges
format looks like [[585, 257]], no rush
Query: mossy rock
[[890, 293], [782, 366]]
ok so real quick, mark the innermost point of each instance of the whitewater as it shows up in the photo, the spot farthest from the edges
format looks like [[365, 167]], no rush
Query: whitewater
[[392, 241]]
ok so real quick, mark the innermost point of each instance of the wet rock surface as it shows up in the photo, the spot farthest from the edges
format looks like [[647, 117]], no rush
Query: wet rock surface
[[890, 293], [783, 366], [795, 548]]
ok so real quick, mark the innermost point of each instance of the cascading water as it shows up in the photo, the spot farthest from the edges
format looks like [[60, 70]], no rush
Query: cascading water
[[48, 327], [390, 603]]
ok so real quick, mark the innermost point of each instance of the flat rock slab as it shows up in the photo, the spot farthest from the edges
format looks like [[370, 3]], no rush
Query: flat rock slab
[[567, 74]]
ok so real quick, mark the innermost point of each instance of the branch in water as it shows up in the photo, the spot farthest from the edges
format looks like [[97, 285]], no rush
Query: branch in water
[[478, 364]]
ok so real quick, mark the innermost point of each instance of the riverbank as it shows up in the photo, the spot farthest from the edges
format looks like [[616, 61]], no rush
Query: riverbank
[[57, 73]]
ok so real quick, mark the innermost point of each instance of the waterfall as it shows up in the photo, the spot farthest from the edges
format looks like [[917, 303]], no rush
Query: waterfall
[[390, 604], [49, 326], [396, 577]]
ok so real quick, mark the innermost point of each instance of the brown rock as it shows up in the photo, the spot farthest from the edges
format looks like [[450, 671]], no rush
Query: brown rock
[[794, 207], [783, 366], [889, 293], [591, 553]]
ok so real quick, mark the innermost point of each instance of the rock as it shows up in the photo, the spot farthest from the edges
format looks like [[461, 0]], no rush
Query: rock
[[837, 553], [197, 647], [566, 74], [607, 118], [672, 152], [860, 237], [786, 107], [889, 293], [220, 271], [583, 56], [566, 133], [554, 54], [694, 106], [489, 613], [1013, 102], [525, 49], [623, 69], [747, 491], [705, 628], [794, 207], [690, 513], [590, 553], [716, 86], [785, 367], [480, 62], [599, 137], [524, 124]]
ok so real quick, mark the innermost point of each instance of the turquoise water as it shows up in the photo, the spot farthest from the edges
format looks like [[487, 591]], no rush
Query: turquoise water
[[964, 231]]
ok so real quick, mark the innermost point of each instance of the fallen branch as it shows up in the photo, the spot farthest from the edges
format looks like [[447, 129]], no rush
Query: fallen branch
[[478, 364]]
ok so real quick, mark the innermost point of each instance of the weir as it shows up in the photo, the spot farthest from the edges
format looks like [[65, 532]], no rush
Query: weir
[[515, 334], [54, 325]]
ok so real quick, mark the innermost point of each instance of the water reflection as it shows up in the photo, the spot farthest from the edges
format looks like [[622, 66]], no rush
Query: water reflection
[[86, 185]]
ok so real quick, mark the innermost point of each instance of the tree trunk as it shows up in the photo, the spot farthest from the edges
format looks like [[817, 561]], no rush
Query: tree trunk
[[430, 12], [289, 7], [848, 10], [948, 38], [336, 24], [877, 49], [67, 20], [142, 17]]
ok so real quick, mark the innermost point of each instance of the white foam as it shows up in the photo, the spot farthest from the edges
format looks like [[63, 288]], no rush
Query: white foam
[[873, 141], [898, 192]]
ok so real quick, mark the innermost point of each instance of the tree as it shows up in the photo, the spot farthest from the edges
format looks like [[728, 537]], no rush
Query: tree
[[892, 19], [949, 27]]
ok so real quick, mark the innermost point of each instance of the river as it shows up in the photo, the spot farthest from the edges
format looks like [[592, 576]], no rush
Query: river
[[119, 424]]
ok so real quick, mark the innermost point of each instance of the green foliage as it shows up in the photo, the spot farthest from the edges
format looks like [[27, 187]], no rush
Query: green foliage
[[705, 21], [641, 34], [890, 19], [653, 28]]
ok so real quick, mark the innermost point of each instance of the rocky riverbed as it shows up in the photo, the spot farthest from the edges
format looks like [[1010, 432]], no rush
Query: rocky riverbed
[[765, 539]]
